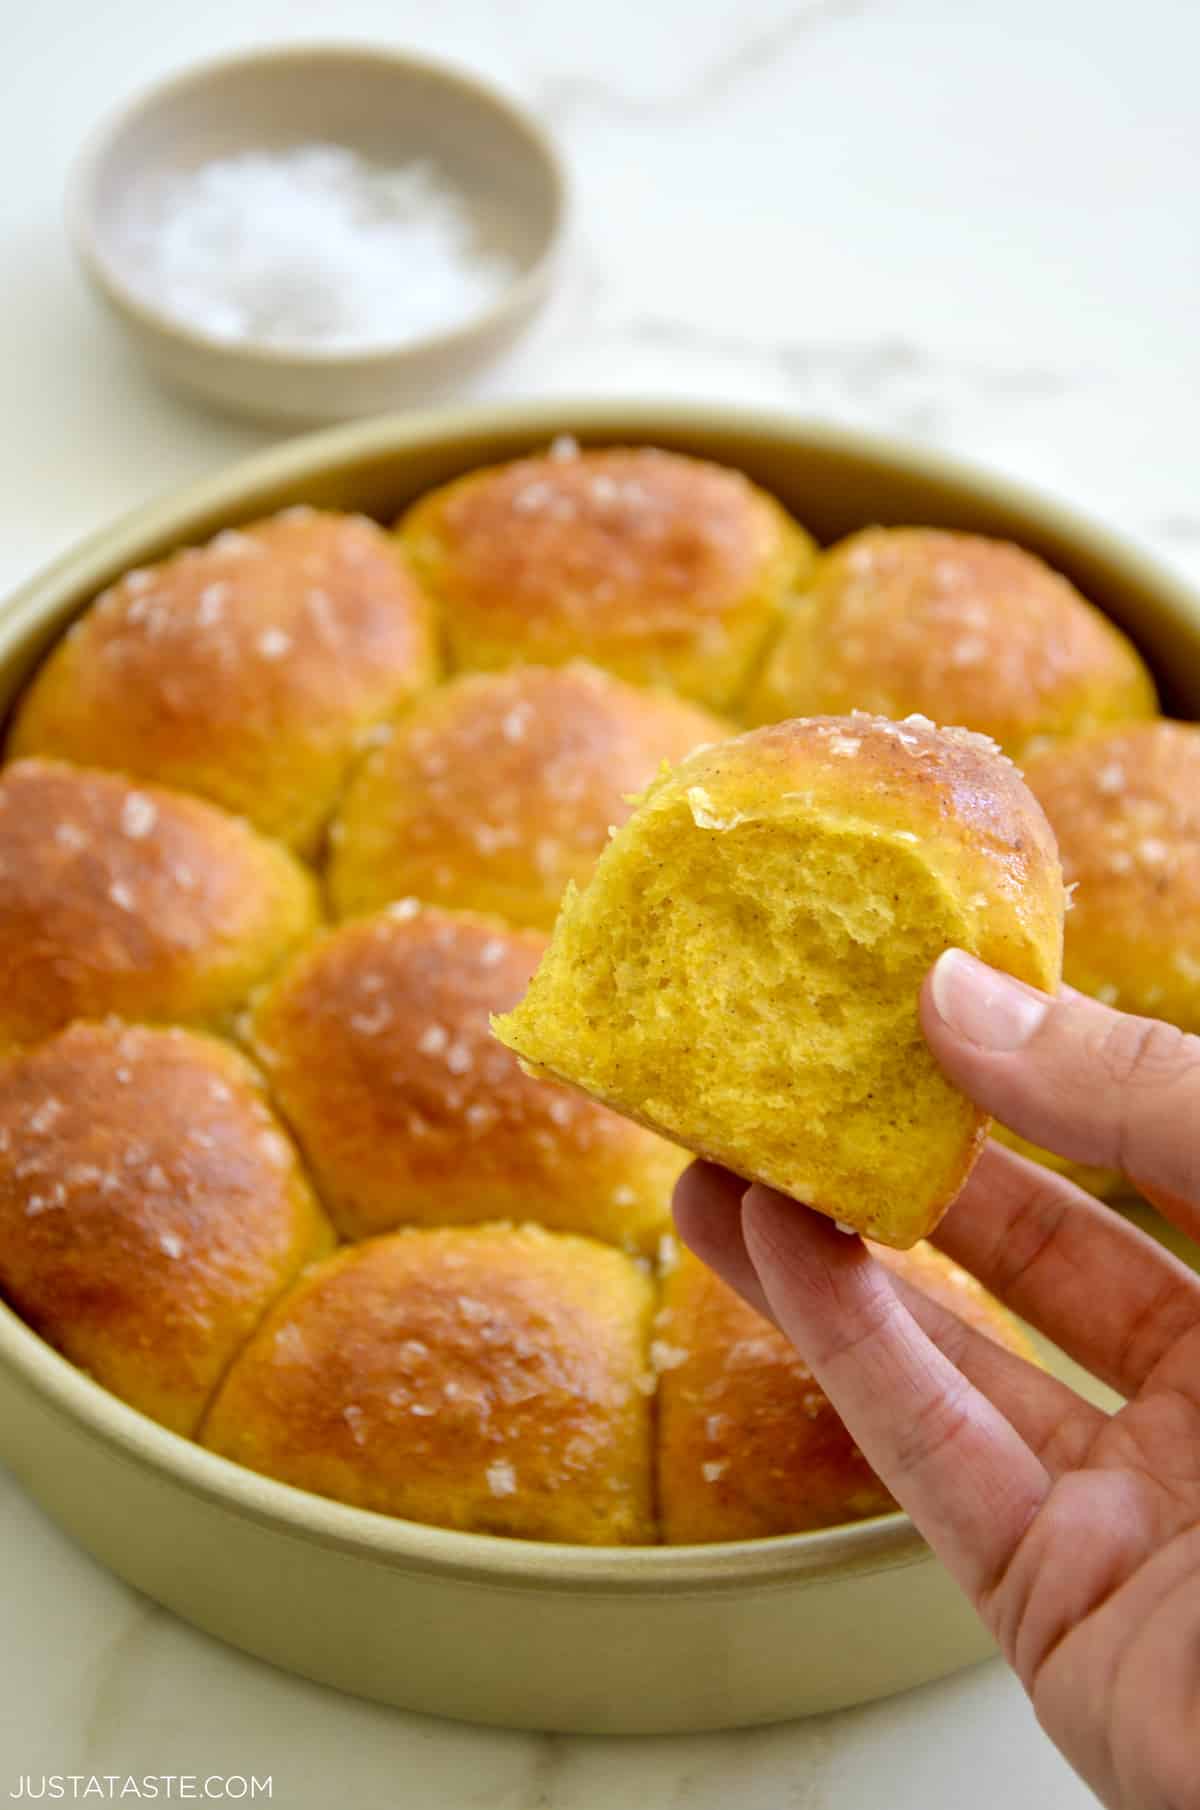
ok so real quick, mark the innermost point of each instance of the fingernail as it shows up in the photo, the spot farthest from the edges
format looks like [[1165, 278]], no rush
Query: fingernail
[[989, 1009]]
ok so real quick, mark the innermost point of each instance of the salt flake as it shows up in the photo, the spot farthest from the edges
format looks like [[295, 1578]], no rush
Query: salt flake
[[501, 1478]]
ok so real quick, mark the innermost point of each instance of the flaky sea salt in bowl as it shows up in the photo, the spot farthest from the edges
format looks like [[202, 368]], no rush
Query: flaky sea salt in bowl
[[309, 234]]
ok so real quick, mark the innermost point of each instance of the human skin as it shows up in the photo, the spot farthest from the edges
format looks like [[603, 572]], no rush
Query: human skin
[[1075, 1532]]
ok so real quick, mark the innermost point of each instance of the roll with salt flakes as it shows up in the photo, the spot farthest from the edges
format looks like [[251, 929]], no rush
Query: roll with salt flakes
[[487, 1378], [742, 974], [495, 790], [248, 670], [749, 1444], [664, 569], [151, 1208], [966, 629], [135, 900], [1125, 805], [376, 1041]]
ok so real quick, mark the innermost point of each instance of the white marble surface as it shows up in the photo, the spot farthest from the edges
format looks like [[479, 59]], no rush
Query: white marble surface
[[972, 223]]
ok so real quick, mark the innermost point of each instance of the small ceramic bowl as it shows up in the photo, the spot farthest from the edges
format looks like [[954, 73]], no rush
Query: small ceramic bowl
[[390, 107]]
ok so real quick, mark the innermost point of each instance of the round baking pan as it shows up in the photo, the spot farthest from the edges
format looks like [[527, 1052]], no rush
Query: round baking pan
[[648, 1639]]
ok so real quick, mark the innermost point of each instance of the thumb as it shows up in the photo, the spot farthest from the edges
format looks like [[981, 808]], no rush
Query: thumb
[[1092, 1084]]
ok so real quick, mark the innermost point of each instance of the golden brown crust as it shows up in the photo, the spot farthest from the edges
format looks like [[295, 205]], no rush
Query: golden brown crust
[[379, 1052], [1126, 807], [948, 790], [244, 670], [483, 1379], [965, 629], [497, 789], [133, 900], [150, 1208], [749, 1443], [665, 569]]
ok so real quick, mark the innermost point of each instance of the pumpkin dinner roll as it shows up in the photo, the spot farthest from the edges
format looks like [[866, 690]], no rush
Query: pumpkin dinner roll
[[247, 670], [377, 1044], [498, 788], [150, 1208], [1125, 806], [742, 973], [967, 630], [134, 900], [749, 1444], [490, 1379], [664, 569]]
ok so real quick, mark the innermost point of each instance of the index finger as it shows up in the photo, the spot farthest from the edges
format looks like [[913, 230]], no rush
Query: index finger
[[948, 1456]]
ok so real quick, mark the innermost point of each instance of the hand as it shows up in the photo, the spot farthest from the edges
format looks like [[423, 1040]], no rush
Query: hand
[[1075, 1533]]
